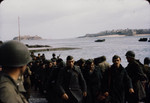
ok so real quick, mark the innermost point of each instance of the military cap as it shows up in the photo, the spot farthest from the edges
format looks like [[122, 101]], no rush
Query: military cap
[[146, 60], [130, 54]]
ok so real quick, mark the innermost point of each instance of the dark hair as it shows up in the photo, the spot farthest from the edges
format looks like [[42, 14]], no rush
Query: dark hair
[[59, 60], [116, 57], [69, 57], [89, 61], [81, 61]]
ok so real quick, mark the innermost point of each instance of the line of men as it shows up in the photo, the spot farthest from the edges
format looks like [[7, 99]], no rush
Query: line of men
[[104, 83], [83, 81]]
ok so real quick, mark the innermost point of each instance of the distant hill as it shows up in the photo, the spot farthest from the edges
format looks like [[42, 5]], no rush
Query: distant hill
[[126, 32], [27, 37]]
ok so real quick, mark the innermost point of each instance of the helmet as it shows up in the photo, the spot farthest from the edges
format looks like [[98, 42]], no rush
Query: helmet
[[130, 54], [14, 54], [146, 60], [53, 54]]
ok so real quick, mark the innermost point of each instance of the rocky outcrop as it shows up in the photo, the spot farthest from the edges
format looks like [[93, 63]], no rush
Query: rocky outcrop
[[126, 32], [27, 37], [37, 46]]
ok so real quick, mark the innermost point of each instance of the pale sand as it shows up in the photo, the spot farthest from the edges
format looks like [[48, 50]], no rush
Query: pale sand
[[113, 36]]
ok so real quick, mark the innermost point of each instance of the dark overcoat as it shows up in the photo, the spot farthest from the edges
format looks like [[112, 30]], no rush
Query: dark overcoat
[[115, 81], [93, 81], [136, 74], [71, 82]]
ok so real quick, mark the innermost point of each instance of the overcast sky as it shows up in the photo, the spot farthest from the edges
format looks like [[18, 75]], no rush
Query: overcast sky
[[57, 19]]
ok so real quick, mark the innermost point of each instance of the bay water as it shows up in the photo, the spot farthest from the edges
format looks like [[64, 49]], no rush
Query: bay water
[[89, 49]]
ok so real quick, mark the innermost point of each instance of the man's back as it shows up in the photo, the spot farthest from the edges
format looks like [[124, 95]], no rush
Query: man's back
[[9, 92]]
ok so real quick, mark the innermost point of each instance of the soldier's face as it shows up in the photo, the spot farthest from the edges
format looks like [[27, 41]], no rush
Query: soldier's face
[[117, 62], [70, 63], [50, 65], [0, 68], [128, 59]]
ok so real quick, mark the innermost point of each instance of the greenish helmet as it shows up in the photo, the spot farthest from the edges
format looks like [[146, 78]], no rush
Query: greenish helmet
[[14, 54], [130, 54]]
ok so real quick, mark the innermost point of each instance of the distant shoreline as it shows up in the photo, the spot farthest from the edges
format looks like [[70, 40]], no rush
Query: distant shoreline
[[142, 34], [124, 35]]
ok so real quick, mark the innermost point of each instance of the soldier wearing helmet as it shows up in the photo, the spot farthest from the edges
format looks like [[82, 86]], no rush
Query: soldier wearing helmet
[[54, 57], [14, 56], [135, 72]]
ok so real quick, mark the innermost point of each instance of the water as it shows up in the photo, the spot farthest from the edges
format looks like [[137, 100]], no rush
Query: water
[[90, 49]]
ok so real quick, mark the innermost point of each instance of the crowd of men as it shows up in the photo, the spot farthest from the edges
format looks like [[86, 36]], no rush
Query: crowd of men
[[69, 81]]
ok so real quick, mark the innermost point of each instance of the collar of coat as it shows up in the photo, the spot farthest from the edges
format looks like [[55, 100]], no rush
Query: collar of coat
[[6, 78]]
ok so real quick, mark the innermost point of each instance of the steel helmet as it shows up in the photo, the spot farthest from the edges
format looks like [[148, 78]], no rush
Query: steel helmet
[[146, 60], [130, 54], [14, 54]]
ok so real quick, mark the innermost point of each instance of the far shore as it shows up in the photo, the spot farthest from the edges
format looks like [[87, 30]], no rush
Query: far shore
[[115, 35], [142, 34]]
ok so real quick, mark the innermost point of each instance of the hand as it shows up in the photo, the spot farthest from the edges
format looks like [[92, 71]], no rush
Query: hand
[[65, 96], [131, 90], [101, 97], [84, 94]]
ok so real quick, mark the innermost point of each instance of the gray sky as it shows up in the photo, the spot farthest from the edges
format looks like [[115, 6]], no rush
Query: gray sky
[[57, 19]]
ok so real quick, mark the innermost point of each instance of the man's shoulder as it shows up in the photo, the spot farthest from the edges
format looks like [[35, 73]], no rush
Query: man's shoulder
[[4, 81], [77, 68]]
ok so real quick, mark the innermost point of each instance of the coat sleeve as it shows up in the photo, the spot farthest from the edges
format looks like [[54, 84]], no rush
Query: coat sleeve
[[59, 82], [127, 80], [82, 82]]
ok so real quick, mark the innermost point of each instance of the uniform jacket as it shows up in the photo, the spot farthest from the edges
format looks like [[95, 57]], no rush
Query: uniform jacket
[[116, 80], [71, 82], [9, 92], [93, 81], [136, 74]]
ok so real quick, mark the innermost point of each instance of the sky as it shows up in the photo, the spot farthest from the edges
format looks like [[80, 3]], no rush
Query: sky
[[59, 19]]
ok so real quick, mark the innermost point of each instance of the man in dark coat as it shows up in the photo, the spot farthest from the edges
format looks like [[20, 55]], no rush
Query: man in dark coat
[[71, 84], [52, 74], [147, 72], [136, 74], [115, 81], [93, 81]]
